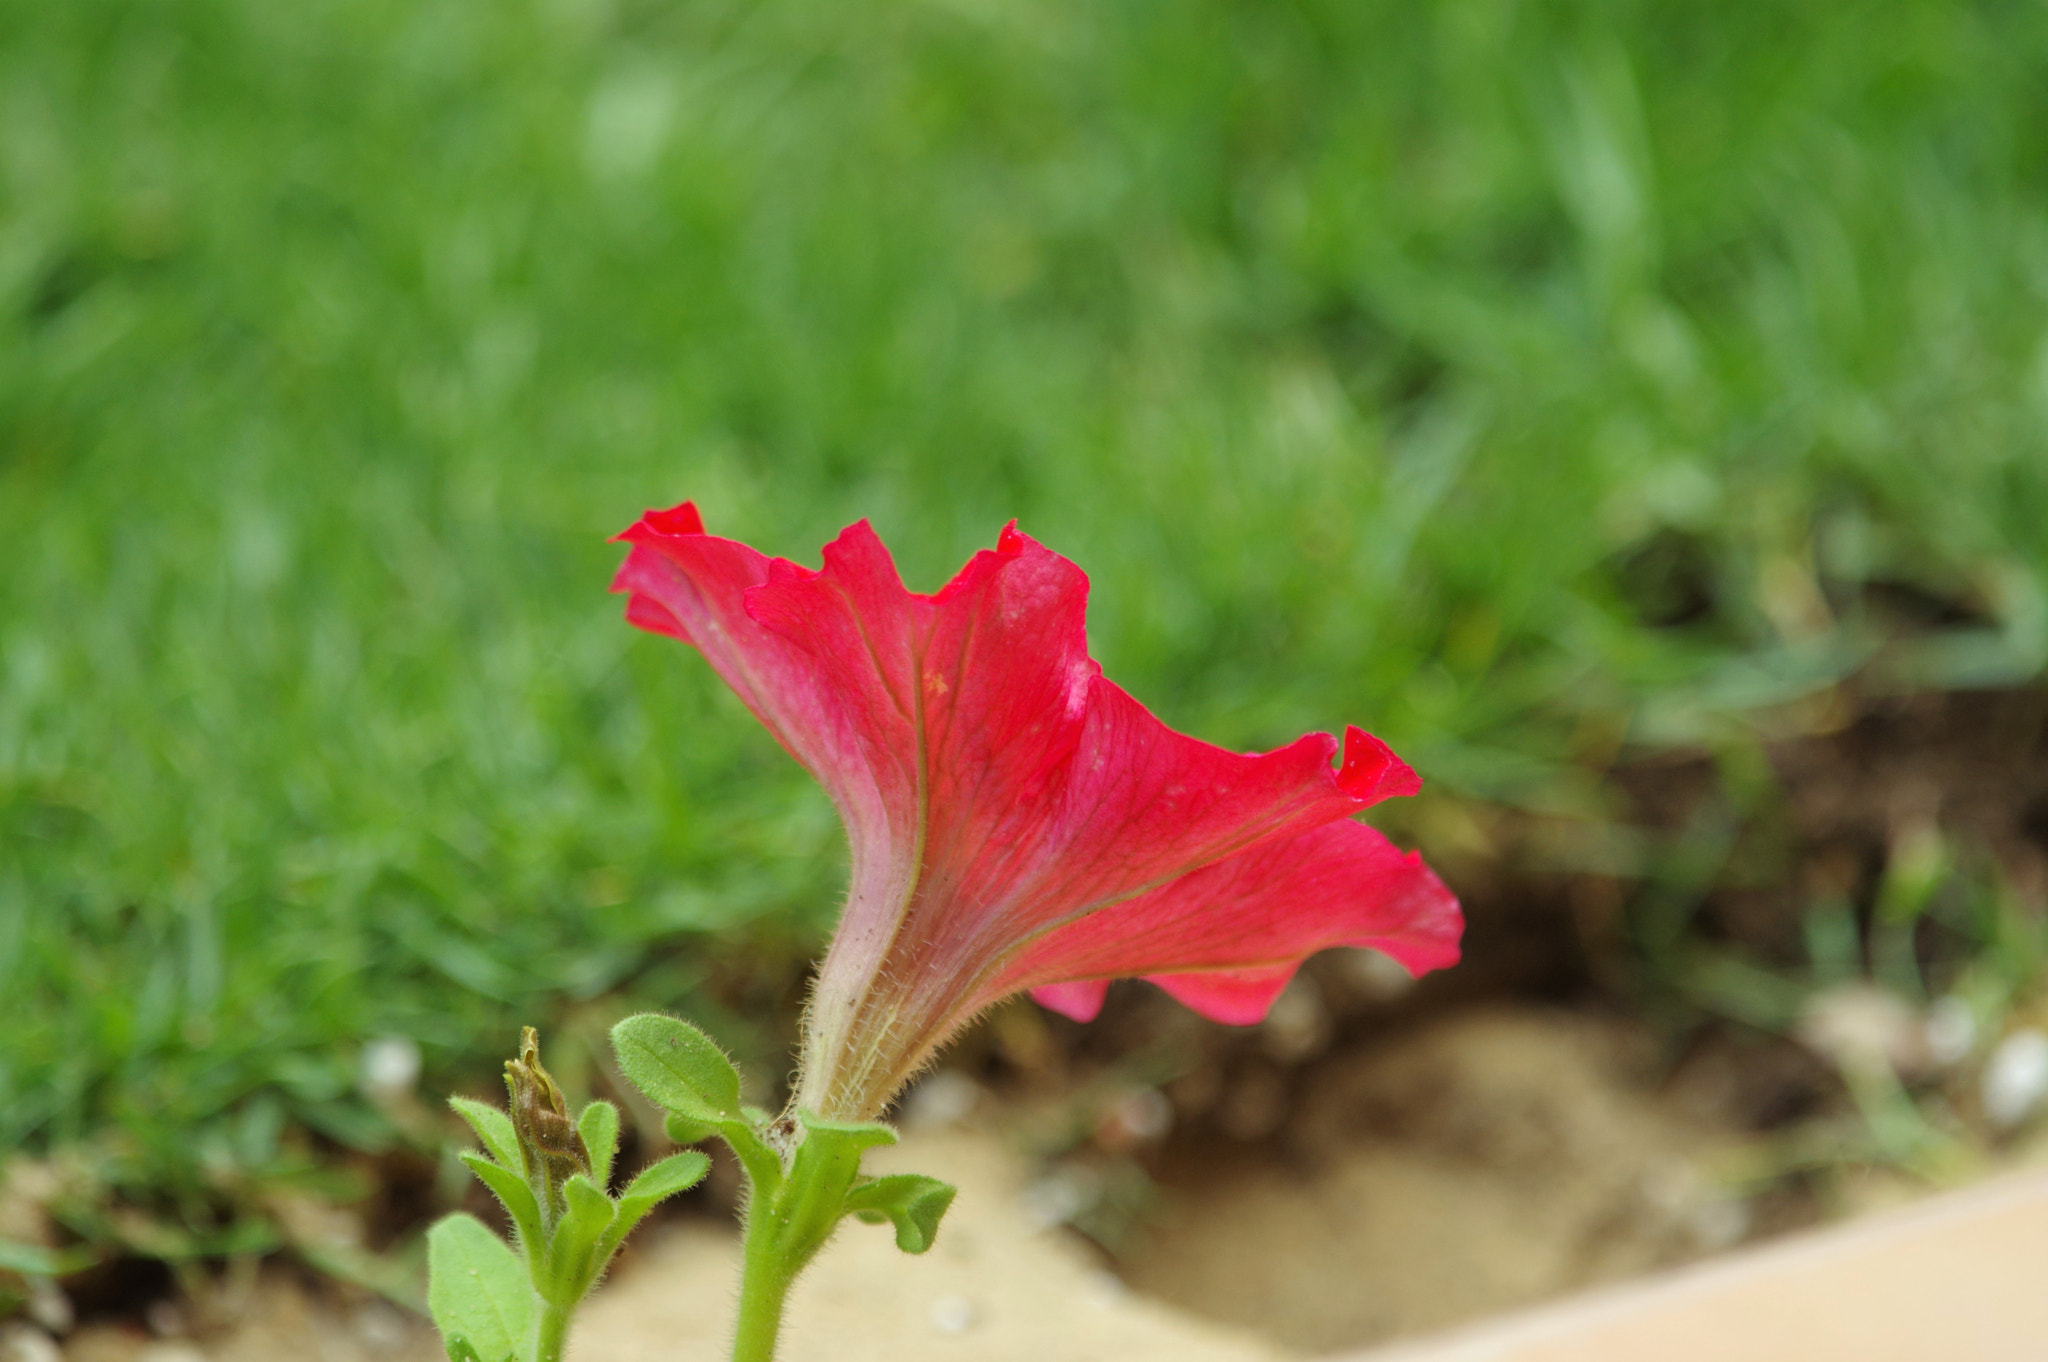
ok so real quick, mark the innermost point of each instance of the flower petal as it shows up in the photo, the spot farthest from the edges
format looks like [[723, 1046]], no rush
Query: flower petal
[[1225, 938], [1080, 1000], [1016, 820], [1236, 997]]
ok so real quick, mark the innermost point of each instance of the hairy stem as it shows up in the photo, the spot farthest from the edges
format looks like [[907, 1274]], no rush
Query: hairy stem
[[765, 1276], [550, 1333]]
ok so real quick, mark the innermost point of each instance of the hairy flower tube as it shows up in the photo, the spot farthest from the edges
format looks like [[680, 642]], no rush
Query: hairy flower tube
[[1017, 821]]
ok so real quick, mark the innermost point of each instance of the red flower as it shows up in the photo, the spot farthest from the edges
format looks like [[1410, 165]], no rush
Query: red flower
[[1017, 821]]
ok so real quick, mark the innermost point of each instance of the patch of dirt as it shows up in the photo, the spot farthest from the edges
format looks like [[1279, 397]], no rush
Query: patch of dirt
[[276, 1314], [1486, 1160]]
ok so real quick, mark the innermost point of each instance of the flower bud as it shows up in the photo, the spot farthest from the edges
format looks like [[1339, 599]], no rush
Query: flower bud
[[548, 1143]]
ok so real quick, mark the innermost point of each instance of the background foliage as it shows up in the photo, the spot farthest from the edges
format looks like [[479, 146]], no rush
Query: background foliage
[[1518, 379]]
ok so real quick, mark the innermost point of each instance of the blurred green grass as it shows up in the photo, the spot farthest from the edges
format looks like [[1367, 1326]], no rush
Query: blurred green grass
[[1509, 378]]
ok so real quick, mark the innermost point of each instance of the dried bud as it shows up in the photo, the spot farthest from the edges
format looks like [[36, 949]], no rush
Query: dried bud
[[548, 1141]]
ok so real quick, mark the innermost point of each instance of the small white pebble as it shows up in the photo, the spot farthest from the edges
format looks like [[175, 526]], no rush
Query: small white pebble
[[944, 1099], [1720, 1225], [1951, 1031], [1379, 977], [953, 1314], [1298, 1025], [1104, 1289], [390, 1068], [26, 1343], [1863, 1028], [1671, 1188], [381, 1328], [1138, 1118], [166, 1320], [2016, 1078], [49, 1306], [1065, 1192]]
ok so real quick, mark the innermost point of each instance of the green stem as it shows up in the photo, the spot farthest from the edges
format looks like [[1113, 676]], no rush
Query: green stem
[[765, 1276], [550, 1333]]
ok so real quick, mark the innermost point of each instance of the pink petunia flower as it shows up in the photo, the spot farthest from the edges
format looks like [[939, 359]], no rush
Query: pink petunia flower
[[1017, 821]]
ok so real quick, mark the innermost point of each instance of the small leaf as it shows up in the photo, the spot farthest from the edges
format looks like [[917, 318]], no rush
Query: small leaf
[[915, 1202], [460, 1349], [493, 1127], [589, 1207], [676, 1173], [654, 1183], [516, 1196], [680, 1067], [829, 1157], [573, 1264], [855, 1134], [599, 1126], [826, 1166], [477, 1289], [683, 1130]]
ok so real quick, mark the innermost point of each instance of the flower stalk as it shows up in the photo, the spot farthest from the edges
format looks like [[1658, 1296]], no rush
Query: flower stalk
[[1018, 824], [802, 1172]]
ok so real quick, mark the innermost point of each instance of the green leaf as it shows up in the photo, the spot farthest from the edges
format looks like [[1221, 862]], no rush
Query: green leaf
[[654, 1183], [493, 1127], [913, 1201], [855, 1135], [573, 1263], [826, 1166], [658, 1181], [516, 1195], [829, 1157], [680, 1067], [460, 1349], [599, 1127], [683, 1130], [477, 1288], [33, 1260]]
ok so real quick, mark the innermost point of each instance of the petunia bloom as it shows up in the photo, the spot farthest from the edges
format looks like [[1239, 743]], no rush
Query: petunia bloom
[[1017, 821]]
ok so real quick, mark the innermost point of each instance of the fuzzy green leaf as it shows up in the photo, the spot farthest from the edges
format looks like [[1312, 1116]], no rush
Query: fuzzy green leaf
[[913, 1201], [477, 1289], [854, 1135], [683, 1130], [829, 1157], [654, 1183], [676, 1173], [493, 1127], [827, 1164], [680, 1067], [573, 1261], [599, 1126], [515, 1194]]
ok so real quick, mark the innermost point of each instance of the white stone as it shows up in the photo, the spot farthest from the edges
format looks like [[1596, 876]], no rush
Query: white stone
[[2016, 1078]]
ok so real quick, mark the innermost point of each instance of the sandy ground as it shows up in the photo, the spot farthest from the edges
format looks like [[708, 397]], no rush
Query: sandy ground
[[996, 1287], [1488, 1161]]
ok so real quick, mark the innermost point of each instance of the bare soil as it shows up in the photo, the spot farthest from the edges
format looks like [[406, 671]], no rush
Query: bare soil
[[1490, 1160]]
